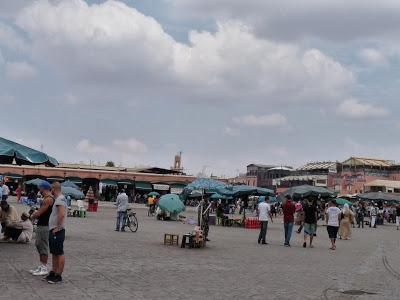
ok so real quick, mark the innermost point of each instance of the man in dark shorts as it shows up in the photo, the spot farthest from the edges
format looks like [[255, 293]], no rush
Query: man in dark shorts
[[42, 230], [57, 234], [333, 214]]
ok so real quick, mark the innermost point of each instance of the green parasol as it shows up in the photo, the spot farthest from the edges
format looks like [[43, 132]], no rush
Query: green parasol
[[171, 203]]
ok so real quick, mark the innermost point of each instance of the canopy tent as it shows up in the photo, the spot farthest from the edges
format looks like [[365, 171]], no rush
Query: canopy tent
[[12, 175], [388, 197], [143, 186], [205, 184], [306, 191], [70, 184], [244, 190], [55, 178], [10, 151], [125, 182], [217, 196], [341, 201], [72, 192], [171, 203], [109, 182], [76, 180]]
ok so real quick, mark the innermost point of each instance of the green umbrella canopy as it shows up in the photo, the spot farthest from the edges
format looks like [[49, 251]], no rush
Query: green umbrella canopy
[[153, 194], [10, 151], [341, 201], [389, 197], [171, 203], [217, 196], [301, 191]]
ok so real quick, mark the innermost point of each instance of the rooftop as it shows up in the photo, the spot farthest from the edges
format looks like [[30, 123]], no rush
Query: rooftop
[[317, 166], [363, 161]]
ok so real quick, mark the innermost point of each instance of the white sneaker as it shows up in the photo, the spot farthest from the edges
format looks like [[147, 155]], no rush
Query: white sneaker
[[35, 270], [42, 272]]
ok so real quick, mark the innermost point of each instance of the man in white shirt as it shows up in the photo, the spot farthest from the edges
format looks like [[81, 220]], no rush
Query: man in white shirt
[[333, 216], [264, 215], [122, 206], [374, 213], [5, 191]]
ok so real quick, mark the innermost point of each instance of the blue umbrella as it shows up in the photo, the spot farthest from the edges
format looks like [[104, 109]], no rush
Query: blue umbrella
[[171, 203], [70, 184], [73, 193], [36, 182]]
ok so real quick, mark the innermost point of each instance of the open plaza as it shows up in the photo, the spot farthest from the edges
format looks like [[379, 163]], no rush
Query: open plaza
[[104, 264]]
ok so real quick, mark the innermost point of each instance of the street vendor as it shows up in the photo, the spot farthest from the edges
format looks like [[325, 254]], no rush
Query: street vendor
[[203, 216], [21, 231]]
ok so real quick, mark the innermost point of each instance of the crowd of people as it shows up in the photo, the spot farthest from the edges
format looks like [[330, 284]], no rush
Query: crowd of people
[[339, 222]]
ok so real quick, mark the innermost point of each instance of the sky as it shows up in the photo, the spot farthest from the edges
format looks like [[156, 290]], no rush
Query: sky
[[227, 82]]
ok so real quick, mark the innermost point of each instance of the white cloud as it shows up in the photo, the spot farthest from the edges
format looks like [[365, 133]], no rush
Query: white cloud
[[87, 147], [354, 109], [115, 45], [230, 131], [373, 57], [19, 70], [273, 120], [130, 146]]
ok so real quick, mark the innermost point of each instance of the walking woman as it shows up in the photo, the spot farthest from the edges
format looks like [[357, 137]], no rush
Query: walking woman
[[347, 218]]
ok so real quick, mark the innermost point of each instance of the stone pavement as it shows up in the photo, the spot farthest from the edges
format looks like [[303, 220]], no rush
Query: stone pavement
[[103, 264]]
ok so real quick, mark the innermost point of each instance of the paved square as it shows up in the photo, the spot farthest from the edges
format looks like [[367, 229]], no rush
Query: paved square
[[103, 264]]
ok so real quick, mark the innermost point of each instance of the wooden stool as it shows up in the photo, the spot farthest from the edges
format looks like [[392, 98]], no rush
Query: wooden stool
[[171, 239]]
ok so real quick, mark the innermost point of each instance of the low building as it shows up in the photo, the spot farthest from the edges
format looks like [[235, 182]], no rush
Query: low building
[[267, 174], [385, 186], [110, 179], [314, 173], [356, 172]]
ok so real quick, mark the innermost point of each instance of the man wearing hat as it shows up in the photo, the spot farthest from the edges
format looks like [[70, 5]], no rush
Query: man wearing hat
[[8, 215], [42, 231]]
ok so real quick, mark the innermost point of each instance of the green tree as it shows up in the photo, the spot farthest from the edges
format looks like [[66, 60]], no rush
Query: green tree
[[110, 164]]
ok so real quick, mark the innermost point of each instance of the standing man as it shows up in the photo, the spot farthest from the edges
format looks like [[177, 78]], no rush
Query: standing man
[[310, 221], [397, 211], [42, 230], [204, 216], [57, 234], [122, 206], [333, 222], [264, 214], [5, 191], [374, 213], [360, 213], [288, 219]]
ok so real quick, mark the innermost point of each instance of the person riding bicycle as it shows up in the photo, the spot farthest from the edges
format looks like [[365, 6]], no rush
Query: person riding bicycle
[[122, 206], [152, 204]]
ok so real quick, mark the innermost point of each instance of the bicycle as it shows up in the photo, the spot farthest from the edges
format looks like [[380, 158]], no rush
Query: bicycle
[[131, 220], [151, 211]]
